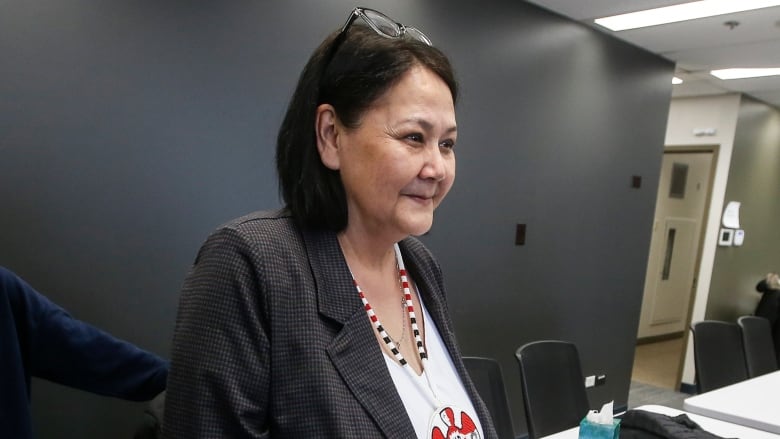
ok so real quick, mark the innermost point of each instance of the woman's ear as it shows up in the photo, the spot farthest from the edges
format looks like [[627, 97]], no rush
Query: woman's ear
[[327, 136]]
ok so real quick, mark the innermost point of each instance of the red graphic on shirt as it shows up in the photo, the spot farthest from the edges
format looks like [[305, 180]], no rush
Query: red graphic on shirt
[[467, 429]]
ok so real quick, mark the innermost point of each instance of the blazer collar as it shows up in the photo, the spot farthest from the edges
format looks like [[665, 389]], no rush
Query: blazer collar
[[336, 294], [354, 351]]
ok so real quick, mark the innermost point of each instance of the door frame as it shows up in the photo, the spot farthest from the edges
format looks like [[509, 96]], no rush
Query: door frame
[[714, 150]]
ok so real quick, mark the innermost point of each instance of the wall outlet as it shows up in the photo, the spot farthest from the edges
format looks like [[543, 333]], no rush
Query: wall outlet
[[601, 380], [590, 381]]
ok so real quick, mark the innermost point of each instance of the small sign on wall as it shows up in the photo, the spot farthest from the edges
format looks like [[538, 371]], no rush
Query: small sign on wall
[[731, 215], [731, 234], [729, 237], [726, 237], [739, 237]]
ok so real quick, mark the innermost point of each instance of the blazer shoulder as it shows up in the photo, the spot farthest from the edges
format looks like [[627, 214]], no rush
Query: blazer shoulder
[[261, 219], [274, 228], [256, 235]]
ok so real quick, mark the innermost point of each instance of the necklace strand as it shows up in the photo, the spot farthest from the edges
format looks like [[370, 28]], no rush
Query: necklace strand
[[403, 322], [391, 344], [415, 329], [403, 313]]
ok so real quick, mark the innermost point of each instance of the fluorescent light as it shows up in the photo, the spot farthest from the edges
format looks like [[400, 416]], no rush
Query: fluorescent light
[[681, 12], [676, 80], [745, 73]]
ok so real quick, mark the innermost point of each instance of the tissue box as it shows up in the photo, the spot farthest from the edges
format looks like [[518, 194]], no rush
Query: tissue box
[[592, 430]]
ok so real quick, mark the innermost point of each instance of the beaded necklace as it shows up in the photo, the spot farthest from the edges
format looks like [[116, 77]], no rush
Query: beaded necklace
[[392, 345], [443, 422]]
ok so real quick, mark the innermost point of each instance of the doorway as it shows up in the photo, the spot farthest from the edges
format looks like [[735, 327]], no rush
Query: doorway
[[675, 247]]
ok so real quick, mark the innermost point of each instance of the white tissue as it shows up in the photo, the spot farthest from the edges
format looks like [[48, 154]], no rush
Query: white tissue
[[601, 417]]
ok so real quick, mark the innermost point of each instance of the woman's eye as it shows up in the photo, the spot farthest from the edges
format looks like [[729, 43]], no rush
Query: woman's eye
[[418, 138], [448, 144]]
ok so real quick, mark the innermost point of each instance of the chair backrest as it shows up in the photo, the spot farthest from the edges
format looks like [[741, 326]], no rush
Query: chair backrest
[[553, 386], [150, 427], [487, 377], [760, 356], [718, 355]]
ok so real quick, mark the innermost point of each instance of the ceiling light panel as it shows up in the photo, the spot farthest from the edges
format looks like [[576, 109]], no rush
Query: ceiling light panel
[[744, 73], [681, 12]]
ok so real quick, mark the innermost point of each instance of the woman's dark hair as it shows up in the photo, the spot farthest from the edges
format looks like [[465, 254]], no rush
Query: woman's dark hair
[[360, 71]]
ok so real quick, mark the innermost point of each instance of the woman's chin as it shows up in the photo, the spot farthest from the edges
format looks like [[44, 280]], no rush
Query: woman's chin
[[420, 228]]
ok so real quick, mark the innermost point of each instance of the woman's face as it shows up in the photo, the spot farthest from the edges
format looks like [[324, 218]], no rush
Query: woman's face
[[399, 163]]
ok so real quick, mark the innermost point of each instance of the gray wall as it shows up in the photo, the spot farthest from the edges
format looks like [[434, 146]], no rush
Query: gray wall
[[754, 180], [131, 129]]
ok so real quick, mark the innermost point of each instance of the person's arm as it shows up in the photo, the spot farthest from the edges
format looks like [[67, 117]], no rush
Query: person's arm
[[220, 368], [67, 351]]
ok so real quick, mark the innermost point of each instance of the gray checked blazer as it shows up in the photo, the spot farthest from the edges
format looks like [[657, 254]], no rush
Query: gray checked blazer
[[272, 341]]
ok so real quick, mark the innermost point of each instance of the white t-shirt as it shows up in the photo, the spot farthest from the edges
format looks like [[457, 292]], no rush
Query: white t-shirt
[[414, 390]]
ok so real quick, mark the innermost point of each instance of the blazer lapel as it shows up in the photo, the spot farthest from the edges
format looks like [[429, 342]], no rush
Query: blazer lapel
[[354, 351], [430, 291]]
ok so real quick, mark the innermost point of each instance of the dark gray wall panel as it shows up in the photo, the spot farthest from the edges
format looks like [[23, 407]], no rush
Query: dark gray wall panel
[[129, 130]]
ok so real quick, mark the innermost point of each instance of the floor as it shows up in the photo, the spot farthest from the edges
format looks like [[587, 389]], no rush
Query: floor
[[653, 379], [657, 363]]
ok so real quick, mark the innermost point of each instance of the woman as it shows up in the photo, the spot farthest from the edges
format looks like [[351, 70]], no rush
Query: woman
[[305, 322], [769, 306]]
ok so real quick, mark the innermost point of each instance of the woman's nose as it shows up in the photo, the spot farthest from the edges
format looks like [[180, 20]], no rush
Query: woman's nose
[[434, 167]]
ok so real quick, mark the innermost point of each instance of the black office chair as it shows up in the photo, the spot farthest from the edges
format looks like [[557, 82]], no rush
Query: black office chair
[[760, 357], [553, 386], [487, 377], [150, 426], [718, 355]]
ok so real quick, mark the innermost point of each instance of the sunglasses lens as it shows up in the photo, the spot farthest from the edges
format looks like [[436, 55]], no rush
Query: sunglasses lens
[[417, 35], [382, 23]]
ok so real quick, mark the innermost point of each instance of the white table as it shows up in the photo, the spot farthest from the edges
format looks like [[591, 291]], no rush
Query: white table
[[714, 426], [753, 403]]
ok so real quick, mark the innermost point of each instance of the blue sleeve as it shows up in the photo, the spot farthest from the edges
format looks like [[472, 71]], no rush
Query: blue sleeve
[[59, 348]]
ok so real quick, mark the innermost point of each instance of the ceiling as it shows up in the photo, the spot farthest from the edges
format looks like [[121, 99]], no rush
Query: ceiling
[[697, 46]]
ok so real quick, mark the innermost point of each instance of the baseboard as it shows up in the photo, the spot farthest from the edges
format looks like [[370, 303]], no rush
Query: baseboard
[[662, 337], [688, 388]]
